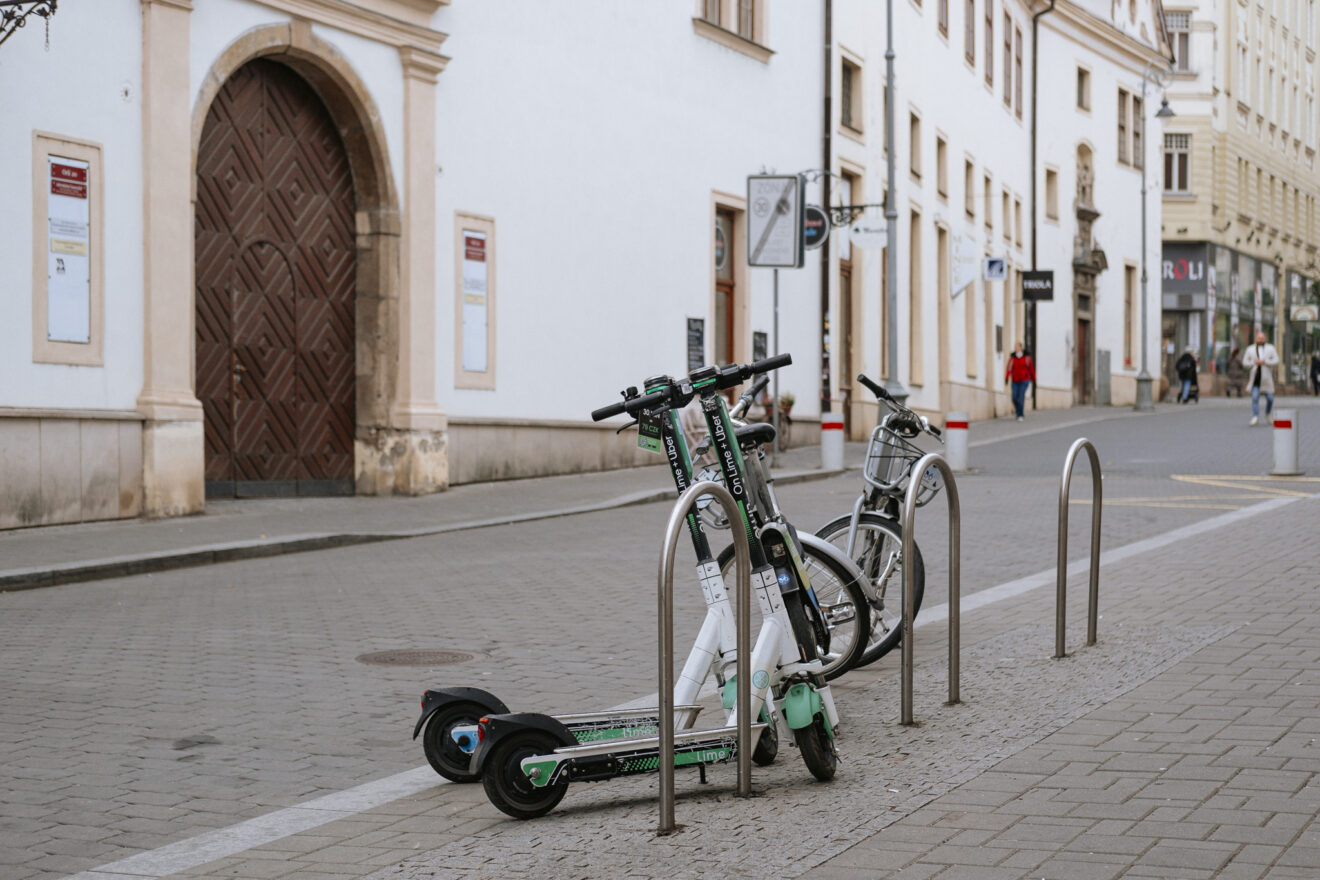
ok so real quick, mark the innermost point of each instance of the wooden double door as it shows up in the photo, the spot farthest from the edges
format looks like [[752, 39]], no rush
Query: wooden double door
[[276, 277]]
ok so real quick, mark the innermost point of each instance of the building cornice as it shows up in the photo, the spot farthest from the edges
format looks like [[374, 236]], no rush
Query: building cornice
[[1099, 34], [370, 23]]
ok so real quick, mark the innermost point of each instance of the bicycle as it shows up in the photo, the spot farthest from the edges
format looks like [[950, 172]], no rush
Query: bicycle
[[871, 535], [838, 584]]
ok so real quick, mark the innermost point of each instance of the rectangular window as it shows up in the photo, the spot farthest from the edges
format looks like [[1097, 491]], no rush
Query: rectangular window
[[710, 11], [989, 191], [1244, 85], [914, 145], [1129, 311], [916, 354], [1017, 221], [850, 97], [1051, 194], [969, 189], [990, 42], [1008, 60], [1083, 89], [747, 19], [68, 278], [942, 16], [1177, 153], [1017, 73], [969, 31], [1138, 123], [1180, 34], [1123, 126], [1005, 213], [474, 262], [941, 168]]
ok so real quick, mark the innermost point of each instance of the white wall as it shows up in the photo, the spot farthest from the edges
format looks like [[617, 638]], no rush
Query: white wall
[[594, 134], [75, 90]]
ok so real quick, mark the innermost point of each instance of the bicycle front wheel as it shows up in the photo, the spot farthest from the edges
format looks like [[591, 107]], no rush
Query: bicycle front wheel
[[842, 600], [878, 552]]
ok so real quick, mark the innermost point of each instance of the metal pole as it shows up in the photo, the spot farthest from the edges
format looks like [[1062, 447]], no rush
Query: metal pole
[[742, 620], [892, 384], [909, 577], [1145, 401], [1061, 574], [774, 454]]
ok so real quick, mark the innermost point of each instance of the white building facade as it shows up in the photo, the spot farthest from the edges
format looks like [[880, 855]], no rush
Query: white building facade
[[309, 246]]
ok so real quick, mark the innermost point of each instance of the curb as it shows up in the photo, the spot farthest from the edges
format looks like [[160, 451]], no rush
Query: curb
[[211, 554]]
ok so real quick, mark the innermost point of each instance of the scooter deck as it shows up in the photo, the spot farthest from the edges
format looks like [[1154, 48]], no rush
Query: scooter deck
[[589, 727], [625, 757]]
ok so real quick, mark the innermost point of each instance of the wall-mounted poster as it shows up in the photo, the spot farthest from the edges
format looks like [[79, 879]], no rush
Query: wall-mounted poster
[[69, 265], [474, 301]]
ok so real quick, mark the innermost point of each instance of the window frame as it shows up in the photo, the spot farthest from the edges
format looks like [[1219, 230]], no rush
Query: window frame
[[1180, 38], [990, 44], [465, 221], [1008, 60], [1171, 154], [44, 349], [969, 32], [1124, 135], [1083, 88]]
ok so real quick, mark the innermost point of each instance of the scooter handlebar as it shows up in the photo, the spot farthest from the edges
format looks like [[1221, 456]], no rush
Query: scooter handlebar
[[631, 406]]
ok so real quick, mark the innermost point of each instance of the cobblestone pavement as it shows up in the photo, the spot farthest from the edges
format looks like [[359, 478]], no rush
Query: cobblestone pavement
[[141, 712]]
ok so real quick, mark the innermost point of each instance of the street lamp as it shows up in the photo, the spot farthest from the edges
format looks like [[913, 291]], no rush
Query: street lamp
[[893, 385], [1161, 78]]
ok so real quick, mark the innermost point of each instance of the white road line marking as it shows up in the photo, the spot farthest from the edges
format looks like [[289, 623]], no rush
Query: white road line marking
[[224, 842]]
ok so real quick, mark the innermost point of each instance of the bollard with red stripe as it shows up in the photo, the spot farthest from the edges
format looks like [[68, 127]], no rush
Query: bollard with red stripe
[[955, 440], [1285, 443], [831, 441]]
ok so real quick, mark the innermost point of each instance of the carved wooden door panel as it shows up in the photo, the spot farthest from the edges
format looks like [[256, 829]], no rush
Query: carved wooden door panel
[[276, 272]]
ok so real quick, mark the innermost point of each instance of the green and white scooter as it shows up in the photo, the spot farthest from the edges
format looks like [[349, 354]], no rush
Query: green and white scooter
[[527, 760]]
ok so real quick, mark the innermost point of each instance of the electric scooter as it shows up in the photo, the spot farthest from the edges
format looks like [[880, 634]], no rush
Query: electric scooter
[[527, 760]]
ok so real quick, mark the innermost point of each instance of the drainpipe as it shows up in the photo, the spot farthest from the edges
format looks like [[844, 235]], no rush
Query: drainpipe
[[1035, 219], [825, 206]]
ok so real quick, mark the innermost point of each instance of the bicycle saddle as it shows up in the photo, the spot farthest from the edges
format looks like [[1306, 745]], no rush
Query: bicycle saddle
[[755, 434]]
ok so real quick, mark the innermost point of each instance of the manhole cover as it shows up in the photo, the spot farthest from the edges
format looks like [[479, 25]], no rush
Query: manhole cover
[[417, 658]]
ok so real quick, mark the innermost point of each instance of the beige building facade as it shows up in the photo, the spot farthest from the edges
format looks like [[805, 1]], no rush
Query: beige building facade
[[1240, 183]]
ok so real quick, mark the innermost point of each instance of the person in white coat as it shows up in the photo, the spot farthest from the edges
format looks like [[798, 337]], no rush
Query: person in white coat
[[1259, 361]]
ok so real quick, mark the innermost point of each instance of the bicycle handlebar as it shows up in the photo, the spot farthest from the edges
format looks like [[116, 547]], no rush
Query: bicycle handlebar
[[729, 376], [907, 417]]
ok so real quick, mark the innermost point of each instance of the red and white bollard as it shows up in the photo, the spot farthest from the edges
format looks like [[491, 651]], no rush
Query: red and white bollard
[[1285, 443], [955, 440], [831, 441]]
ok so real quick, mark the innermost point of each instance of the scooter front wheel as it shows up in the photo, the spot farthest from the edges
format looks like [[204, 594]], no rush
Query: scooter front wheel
[[442, 753], [817, 749], [507, 785]]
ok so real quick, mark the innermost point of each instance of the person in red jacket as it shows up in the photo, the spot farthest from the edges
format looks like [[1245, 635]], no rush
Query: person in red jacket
[[1021, 372]]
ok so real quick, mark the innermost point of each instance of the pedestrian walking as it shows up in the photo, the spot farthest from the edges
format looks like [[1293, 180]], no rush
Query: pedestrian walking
[[1315, 373], [1021, 372], [1237, 374], [1186, 368], [1260, 360]]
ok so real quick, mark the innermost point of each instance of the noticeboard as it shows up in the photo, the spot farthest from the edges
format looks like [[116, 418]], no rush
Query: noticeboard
[[774, 220], [1038, 285], [696, 343]]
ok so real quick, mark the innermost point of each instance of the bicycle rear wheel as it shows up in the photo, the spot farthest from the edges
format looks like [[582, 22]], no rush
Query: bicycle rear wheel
[[878, 539], [842, 600]]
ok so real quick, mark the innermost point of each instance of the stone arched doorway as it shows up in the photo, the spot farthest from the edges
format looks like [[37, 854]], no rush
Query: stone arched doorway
[[276, 279]]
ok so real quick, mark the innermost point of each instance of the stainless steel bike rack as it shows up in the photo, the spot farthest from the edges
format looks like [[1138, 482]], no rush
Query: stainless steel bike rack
[[909, 574], [743, 616], [1061, 588]]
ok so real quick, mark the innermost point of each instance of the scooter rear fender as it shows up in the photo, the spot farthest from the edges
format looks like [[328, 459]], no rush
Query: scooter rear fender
[[437, 698], [497, 727]]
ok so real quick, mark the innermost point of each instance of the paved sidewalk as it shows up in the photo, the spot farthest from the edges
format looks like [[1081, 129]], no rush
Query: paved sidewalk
[[245, 529]]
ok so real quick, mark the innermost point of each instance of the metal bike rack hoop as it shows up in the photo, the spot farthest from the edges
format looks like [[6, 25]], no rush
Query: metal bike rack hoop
[[909, 575], [742, 620], [1061, 588]]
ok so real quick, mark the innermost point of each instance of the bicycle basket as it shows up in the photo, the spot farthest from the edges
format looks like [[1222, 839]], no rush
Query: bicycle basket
[[889, 460]]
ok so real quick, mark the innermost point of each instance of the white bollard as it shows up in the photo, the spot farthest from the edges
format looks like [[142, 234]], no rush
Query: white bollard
[[831, 441], [1285, 443], [955, 440]]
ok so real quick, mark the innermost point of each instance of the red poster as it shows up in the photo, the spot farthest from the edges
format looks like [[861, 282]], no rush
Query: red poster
[[474, 249], [67, 188]]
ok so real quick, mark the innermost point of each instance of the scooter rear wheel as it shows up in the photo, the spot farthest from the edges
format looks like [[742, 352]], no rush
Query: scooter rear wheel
[[507, 785], [817, 749], [443, 754]]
